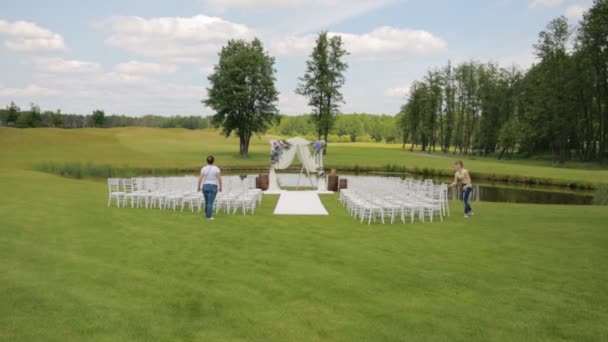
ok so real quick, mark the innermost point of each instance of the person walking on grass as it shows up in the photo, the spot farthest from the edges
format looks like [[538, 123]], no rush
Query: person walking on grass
[[463, 177], [211, 179]]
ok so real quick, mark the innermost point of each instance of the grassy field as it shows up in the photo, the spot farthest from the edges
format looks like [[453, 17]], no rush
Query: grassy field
[[73, 269], [185, 149]]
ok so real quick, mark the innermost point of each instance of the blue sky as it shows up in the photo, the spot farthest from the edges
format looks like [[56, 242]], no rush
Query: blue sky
[[138, 57]]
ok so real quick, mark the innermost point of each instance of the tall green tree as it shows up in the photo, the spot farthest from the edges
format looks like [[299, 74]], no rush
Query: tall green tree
[[555, 93], [98, 117], [447, 125], [403, 125], [242, 92], [13, 113], [593, 38], [322, 81]]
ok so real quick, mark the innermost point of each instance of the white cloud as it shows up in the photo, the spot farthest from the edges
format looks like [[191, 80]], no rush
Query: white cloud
[[300, 16], [249, 4], [292, 104], [206, 70], [115, 92], [119, 78], [59, 65], [27, 36], [545, 3], [33, 90], [223, 5], [136, 67], [522, 60], [384, 41], [178, 39], [399, 91], [576, 11]]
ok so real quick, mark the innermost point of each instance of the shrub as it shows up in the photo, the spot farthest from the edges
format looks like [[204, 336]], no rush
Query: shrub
[[600, 196], [345, 139], [364, 138], [89, 170], [333, 138]]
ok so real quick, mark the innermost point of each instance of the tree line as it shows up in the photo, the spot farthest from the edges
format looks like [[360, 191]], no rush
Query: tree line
[[355, 127], [13, 116], [558, 107]]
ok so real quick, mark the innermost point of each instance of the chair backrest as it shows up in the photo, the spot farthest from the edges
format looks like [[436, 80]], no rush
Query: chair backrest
[[127, 185], [113, 184]]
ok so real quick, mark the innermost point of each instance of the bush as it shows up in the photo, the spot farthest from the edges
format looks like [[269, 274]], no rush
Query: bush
[[345, 139], [364, 138], [600, 196], [79, 170], [310, 137], [333, 138]]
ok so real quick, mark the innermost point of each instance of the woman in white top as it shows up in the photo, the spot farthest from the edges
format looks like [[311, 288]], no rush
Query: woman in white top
[[462, 176], [211, 179]]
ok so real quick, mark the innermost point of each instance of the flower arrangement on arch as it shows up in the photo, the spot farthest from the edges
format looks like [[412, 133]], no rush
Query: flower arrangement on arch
[[318, 146], [276, 149]]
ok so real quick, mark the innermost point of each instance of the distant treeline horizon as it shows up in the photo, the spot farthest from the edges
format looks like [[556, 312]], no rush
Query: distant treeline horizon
[[350, 127]]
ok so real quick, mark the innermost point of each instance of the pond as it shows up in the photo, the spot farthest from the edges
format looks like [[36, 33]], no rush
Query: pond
[[484, 192]]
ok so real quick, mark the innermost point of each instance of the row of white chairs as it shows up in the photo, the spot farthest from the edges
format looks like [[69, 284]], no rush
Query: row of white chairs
[[371, 198], [181, 192]]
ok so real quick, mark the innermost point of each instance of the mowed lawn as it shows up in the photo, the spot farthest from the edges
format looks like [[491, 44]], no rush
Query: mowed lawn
[[73, 269], [185, 149]]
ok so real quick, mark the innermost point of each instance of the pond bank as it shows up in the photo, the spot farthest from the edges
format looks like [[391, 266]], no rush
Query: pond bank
[[90, 170]]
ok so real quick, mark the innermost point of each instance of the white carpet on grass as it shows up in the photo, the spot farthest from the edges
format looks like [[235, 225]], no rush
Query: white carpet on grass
[[300, 203]]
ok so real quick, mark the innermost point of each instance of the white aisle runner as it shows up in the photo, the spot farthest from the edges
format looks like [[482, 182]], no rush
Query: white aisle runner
[[300, 203]]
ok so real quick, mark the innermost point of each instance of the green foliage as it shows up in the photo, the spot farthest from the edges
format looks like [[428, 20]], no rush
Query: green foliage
[[334, 138], [558, 107], [322, 81], [8, 116], [27, 119], [600, 196], [509, 136], [242, 92], [84, 170], [98, 118], [364, 138]]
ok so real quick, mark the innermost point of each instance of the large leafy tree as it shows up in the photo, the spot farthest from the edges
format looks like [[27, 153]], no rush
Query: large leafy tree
[[554, 92], [593, 38], [242, 92], [322, 81], [98, 117]]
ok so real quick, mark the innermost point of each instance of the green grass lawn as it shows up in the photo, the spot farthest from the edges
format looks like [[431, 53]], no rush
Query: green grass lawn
[[185, 149], [73, 269]]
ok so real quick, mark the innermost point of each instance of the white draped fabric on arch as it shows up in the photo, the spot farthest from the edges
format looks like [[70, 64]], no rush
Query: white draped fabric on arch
[[311, 163]]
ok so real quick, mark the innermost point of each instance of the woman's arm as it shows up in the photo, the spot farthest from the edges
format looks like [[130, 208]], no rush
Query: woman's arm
[[219, 180], [200, 180], [454, 182]]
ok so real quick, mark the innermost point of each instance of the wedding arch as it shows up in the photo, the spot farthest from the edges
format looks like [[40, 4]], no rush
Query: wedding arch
[[283, 153]]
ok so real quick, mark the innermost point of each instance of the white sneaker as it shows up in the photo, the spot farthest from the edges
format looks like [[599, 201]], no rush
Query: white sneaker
[[466, 216], [211, 218]]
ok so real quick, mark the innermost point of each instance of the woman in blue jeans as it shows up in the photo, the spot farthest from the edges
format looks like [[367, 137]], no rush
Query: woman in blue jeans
[[463, 178], [211, 179]]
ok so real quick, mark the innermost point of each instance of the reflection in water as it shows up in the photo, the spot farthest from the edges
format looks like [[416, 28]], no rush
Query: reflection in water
[[481, 192], [492, 193]]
